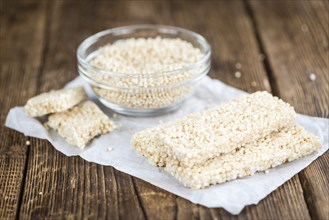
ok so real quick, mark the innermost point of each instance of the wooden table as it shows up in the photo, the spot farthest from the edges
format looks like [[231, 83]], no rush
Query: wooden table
[[278, 44]]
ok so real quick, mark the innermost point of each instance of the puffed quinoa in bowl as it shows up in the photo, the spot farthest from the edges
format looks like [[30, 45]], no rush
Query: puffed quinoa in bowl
[[144, 69]]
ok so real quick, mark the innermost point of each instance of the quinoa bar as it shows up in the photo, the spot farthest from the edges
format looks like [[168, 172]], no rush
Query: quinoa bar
[[54, 101], [198, 137], [81, 123], [271, 151]]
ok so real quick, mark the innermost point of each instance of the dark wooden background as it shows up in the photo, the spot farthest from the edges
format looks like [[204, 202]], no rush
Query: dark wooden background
[[278, 43]]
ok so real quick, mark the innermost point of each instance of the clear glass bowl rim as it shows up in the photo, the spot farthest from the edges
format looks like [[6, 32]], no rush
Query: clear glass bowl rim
[[161, 28]]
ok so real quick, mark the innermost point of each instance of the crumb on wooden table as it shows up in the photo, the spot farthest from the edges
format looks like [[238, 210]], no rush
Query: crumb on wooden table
[[304, 28], [312, 76], [238, 65], [237, 74]]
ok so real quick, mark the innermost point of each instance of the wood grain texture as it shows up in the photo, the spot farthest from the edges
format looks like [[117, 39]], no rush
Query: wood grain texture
[[130, 197], [57, 186], [233, 41], [21, 40], [297, 45]]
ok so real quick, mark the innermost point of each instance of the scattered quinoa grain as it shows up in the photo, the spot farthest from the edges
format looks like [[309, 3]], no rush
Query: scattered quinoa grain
[[253, 83], [109, 149], [237, 74], [27, 143], [40, 193], [312, 77], [238, 66], [266, 171], [304, 28]]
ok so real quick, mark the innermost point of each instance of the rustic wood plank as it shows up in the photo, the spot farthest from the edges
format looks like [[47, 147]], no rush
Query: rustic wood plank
[[230, 48], [62, 187], [229, 29], [297, 46], [21, 37], [234, 42], [58, 186], [148, 194], [276, 204], [230, 32]]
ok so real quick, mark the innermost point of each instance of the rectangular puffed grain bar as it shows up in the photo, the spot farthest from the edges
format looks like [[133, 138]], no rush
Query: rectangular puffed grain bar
[[197, 137], [81, 123], [274, 150], [54, 101]]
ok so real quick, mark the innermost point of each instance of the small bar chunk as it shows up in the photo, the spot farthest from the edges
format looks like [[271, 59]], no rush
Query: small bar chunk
[[54, 101], [275, 149], [80, 124], [198, 137]]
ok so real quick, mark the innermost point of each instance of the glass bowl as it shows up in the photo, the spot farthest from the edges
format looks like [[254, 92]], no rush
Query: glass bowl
[[142, 94]]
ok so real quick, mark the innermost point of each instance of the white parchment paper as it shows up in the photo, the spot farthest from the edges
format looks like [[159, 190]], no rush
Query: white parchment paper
[[232, 196]]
